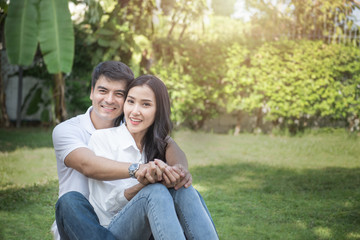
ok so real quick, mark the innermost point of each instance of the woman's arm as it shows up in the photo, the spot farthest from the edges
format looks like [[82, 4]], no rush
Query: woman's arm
[[174, 155], [129, 193], [178, 175]]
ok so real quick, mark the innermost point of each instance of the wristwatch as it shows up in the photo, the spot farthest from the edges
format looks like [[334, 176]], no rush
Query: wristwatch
[[133, 169]]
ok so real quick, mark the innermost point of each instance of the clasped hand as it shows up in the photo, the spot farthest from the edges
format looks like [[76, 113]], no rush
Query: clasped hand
[[175, 176]]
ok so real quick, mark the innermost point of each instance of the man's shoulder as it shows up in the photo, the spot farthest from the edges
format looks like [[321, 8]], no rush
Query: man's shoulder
[[74, 125], [73, 122]]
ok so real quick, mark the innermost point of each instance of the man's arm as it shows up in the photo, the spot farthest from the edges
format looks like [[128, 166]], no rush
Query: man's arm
[[86, 162]]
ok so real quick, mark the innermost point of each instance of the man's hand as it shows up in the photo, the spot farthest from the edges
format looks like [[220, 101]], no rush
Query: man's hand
[[174, 176], [148, 173], [186, 180]]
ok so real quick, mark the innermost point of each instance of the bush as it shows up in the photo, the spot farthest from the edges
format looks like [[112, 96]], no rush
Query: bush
[[294, 83]]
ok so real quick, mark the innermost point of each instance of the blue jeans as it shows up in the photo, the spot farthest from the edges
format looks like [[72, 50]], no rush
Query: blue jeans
[[76, 219], [165, 213]]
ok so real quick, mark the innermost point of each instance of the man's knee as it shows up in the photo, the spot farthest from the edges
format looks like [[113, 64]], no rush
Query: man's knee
[[69, 203], [69, 199]]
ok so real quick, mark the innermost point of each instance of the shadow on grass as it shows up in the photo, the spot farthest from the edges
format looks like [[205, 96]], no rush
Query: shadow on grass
[[247, 201], [11, 139], [253, 201], [27, 213]]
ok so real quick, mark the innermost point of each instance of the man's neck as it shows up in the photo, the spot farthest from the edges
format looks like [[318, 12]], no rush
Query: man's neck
[[101, 123]]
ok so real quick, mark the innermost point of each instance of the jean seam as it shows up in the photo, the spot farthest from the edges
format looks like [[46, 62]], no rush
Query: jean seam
[[159, 230], [187, 230]]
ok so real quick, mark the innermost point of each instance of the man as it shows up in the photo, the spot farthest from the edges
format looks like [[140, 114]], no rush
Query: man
[[75, 217]]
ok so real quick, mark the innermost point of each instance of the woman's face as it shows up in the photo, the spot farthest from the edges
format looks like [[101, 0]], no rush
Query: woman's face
[[140, 110]]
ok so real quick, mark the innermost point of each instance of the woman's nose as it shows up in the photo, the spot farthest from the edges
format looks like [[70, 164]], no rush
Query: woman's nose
[[136, 110]]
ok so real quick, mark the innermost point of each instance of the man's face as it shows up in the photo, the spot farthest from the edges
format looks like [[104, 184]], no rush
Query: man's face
[[107, 100]]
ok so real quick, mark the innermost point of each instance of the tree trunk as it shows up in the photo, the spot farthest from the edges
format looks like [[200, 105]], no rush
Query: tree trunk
[[184, 28], [173, 24], [59, 98], [19, 98], [238, 123], [4, 116]]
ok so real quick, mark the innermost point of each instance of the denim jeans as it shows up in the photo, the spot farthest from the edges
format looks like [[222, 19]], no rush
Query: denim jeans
[[165, 213], [76, 219], [193, 214]]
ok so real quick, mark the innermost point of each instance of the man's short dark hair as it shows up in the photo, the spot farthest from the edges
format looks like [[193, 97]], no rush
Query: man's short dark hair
[[112, 70]]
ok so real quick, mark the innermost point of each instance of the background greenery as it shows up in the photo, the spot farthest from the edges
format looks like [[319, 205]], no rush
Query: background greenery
[[292, 65], [256, 186]]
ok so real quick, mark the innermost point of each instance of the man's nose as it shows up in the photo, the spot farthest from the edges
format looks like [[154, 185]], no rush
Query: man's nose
[[109, 98]]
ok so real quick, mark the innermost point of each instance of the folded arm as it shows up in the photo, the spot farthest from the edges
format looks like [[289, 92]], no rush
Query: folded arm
[[178, 175]]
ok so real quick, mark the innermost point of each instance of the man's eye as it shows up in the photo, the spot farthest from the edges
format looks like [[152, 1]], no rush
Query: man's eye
[[120, 94]]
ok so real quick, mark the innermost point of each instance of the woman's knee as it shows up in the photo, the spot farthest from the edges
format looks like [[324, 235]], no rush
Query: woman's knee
[[185, 194], [156, 191]]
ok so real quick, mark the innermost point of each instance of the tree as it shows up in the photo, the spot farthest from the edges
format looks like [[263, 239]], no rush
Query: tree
[[47, 23], [4, 116], [309, 19]]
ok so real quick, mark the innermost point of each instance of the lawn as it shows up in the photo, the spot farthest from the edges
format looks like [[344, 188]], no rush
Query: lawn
[[256, 186]]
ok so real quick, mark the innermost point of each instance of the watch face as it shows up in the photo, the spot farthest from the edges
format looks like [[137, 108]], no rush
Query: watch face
[[133, 167]]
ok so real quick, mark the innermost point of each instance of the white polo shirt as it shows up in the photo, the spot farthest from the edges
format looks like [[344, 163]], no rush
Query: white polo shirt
[[107, 197], [68, 136]]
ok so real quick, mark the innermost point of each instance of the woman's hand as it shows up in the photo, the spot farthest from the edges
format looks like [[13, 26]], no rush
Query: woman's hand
[[149, 173], [174, 176]]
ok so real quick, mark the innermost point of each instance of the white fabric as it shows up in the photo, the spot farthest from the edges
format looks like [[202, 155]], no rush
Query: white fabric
[[107, 197], [68, 136]]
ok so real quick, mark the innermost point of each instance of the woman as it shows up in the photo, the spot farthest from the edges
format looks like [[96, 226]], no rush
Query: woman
[[129, 209]]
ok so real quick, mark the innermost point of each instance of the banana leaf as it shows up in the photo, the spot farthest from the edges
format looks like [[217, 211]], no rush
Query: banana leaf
[[21, 31], [56, 35]]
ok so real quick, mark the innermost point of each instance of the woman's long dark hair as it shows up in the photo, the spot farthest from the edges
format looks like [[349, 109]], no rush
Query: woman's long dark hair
[[155, 139]]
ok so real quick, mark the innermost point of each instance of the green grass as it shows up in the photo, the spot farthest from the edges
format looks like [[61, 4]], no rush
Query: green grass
[[256, 186]]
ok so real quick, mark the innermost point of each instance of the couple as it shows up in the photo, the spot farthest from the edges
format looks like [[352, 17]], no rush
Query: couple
[[135, 193]]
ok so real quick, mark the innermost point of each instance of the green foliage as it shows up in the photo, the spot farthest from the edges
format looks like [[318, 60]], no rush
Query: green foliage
[[113, 37], [294, 82], [21, 31], [192, 71], [56, 35], [47, 22], [305, 19]]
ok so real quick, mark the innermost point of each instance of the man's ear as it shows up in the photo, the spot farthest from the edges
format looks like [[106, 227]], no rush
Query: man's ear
[[91, 93]]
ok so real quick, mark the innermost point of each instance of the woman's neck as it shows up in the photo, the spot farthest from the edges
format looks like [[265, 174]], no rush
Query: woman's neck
[[138, 138]]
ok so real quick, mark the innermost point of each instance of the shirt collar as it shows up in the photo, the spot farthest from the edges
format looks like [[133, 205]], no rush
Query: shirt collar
[[85, 121], [126, 140]]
